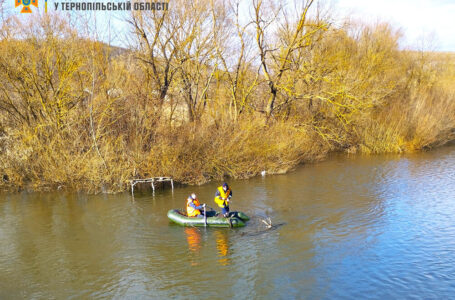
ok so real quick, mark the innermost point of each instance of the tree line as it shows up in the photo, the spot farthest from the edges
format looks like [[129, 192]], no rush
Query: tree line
[[210, 89]]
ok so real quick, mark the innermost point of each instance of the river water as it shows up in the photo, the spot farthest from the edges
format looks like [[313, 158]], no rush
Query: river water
[[350, 227]]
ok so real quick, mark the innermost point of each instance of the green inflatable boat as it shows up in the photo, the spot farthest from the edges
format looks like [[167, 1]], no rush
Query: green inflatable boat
[[235, 219]]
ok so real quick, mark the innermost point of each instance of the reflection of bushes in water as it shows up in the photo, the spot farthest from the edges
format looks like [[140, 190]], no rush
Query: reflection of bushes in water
[[92, 120]]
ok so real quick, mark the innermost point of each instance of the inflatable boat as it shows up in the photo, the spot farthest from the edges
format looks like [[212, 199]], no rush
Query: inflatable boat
[[235, 219]]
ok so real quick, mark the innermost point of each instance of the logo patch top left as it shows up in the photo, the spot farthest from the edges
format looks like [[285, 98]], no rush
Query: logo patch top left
[[26, 4]]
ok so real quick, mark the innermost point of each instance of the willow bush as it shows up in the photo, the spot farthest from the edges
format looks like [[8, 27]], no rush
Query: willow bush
[[230, 100]]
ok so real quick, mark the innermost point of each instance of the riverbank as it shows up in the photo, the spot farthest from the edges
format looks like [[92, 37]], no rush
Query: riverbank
[[75, 120], [196, 157]]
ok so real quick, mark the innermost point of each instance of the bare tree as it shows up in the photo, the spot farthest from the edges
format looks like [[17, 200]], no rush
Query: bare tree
[[154, 32], [196, 52], [276, 54], [236, 62]]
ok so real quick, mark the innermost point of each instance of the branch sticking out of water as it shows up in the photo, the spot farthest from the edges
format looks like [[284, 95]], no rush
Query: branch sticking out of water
[[267, 222]]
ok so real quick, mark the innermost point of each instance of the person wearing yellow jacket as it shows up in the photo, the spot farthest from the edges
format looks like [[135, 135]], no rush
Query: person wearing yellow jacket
[[193, 207], [222, 196]]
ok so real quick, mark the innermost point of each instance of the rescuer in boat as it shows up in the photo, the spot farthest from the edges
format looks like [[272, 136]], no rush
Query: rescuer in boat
[[193, 207], [222, 196]]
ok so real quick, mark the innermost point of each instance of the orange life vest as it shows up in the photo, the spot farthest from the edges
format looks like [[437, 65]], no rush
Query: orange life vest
[[191, 212], [221, 200]]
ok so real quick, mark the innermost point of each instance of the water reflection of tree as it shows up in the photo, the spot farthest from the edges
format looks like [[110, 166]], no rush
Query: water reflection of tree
[[222, 245], [193, 237]]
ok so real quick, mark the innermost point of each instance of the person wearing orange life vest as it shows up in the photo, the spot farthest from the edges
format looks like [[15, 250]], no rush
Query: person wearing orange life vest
[[222, 196], [193, 206]]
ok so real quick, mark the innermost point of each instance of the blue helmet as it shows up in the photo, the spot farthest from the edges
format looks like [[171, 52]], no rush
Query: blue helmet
[[225, 186]]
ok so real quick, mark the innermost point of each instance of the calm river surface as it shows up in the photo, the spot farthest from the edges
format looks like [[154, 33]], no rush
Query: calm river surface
[[354, 227]]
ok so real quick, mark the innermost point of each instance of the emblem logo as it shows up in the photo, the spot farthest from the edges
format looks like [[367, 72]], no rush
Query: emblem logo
[[26, 4]]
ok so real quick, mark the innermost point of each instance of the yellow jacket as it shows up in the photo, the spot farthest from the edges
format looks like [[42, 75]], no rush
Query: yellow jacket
[[222, 197]]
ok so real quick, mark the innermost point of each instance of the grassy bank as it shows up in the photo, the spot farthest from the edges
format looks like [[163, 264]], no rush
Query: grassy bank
[[78, 114]]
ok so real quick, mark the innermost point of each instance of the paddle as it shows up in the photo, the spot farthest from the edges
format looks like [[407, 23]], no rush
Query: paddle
[[205, 217]]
